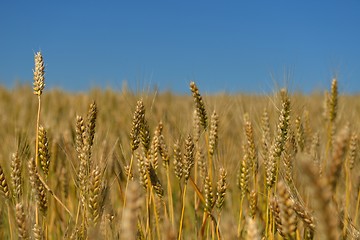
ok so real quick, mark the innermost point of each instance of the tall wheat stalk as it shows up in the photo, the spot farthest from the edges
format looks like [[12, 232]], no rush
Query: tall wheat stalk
[[187, 165], [137, 125], [38, 86]]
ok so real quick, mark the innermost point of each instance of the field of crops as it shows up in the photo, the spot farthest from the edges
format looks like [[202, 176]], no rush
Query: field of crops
[[123, 165]]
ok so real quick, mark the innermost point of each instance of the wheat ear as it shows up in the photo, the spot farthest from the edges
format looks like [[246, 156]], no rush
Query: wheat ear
[[137, 124], [16, 177], [332, 105], [21, 222], [187, 165]]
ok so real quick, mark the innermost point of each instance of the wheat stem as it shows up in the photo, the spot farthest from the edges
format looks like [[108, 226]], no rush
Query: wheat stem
[[9, 220], [37, 150], [182, 212], [54, 196], [169, 189], [357, 207], [240, 216], [128, 178]]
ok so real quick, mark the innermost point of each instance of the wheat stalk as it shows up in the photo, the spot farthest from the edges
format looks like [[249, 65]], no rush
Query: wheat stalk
[[38, 86]]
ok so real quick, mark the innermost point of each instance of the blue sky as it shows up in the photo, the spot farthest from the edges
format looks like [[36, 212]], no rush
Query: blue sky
[[233, 46]]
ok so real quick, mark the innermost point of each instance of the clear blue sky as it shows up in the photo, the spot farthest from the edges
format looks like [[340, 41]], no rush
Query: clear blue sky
[[245, 46]]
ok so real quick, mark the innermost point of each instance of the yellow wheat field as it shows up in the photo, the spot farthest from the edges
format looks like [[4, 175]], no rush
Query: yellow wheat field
[[120, 165]]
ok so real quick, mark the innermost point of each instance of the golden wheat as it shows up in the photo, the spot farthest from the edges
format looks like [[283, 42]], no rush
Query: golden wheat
[[260, 167]]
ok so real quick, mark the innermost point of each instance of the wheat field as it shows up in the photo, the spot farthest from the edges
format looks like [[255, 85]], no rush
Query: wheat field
[[122, 165]]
